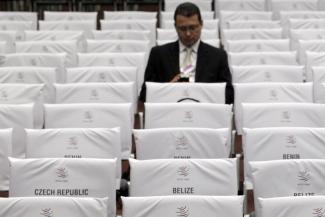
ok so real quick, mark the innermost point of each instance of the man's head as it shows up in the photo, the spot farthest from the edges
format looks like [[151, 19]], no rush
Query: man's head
[[188, 23]]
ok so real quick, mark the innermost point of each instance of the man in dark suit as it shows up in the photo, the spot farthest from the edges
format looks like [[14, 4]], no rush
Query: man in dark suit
[[188, 58]]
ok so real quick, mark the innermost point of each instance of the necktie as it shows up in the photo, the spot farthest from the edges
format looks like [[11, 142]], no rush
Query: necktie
[[187, 59]]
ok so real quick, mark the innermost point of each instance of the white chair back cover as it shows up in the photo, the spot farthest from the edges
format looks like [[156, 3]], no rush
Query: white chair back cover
[[291, 5], [302, 34], [269, 73], [140, 35], [310, 45], [9, 37], [185, 92], [253, 24], [19, 16], [50, 206], [258, 115], [63, 177], [5, 152], [131, 15], [310, 23], [17, 117], [93, 115], [18, 26], [313, 59], [169, 205], [291, 206], [318, 80], [181, 143], [239, 5], [285, 143], [206, 5], [69, 16], [269, 93], [119, 46], [258, 45], [163, 177]]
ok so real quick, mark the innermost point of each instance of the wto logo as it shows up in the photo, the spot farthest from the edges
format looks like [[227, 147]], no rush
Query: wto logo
[[47, 212], [273, 95], [101, 77], [183, 171], [186, 93], [291, 139], [45, 49], [181, 142], [304, 176], [111, 62], [182, 211], [33, 62], [3, 95], [62, 173], [88, 117], [94, 95], [267, 76], [318, 212], [286, 116], [188, 116], [20, 77]]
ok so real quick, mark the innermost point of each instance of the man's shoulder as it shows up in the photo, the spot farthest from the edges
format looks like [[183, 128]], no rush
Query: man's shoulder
[[165, 47], [210, 48]]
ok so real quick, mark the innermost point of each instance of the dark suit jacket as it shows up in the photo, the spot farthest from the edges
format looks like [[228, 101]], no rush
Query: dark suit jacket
[[211, 66]]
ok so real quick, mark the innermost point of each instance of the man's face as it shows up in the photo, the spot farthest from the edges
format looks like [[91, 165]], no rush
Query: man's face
[[188, 29]]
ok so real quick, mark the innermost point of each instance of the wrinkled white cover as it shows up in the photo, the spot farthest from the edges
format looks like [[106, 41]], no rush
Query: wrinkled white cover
[[75, 143], [282, 178], [5, 152], [18, 26], [206, 176], [85, 26], [269, 73], [310, 45], [258, 45], [233, 15], [265, 144], [121, 34], [101, 46], [122, 92], [96, 175], [240, 5], [173, 92], [171, 34], [318, 23], [93, 115], [318, 80], [313, 59], [116, 59], [207, 24], [68, 16], [170, 5], [302, 34], [253, 24], [69, 47], [122, 15], [291, 5], [292, 206], [10, 38], [19, 16], [50, 206], [257, 115], [269, 93], [224, 206], [17, 117], [263, 58], [181, 143]]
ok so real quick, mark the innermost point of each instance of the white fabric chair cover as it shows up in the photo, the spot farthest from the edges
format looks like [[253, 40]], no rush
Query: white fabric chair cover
[[269, 73], [181, 143], [291, 178], [120, 46], [19, 16], [64, 177], [3, 47], [75, 143], [171, 34], [183, 177], [101, 74], [310, 23], [253, 24], [122, 15], [189, 92], [68, 47], [258, 45], [318, 80], [302, 34], [269, 93], [49, 206], [121, 35], [10, 38], [223, 205], [69, 16], [263, 58], [85, 26], [291, 206], [17, 117], [57, 61], [5, 152], [310, 45], [240, 5], [313, 59], [288, 143], [258, 115], [170, 5], [18, 26], [93, 115], [122, 92], [291, 5], [116, 59]]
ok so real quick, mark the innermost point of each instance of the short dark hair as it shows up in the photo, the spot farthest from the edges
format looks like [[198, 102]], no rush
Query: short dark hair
[[187, 9]]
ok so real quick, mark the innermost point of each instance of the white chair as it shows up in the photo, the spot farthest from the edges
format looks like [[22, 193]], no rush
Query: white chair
[[291, 178], [253, 24], [291, 5], [18, 26], [206, 5], [313, 59], [3, 47], [240, 5], [64, 177], [318, 80], [302, 34], [68, 47], [185, 92], [124, 15], [287, 143], [291, 206], [75, 143], [214, 177], [181, 143], [5, 152], [223, 205], [18, 117], [49, 206], [141, 35], [258, 115], [258, 45], [116, 59], [10, 38], [19, 16], [310, 45], [69, 16], [269, 93], [317, 23], [118, 92], [263, 58], [93, 115], [85, 26], [269, 73]]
